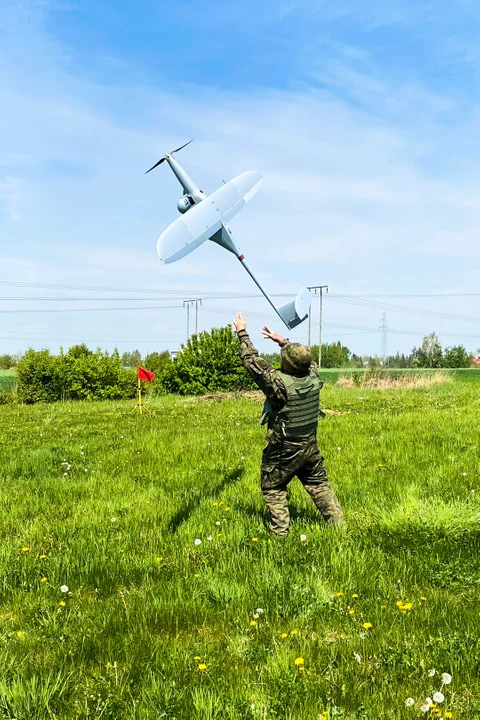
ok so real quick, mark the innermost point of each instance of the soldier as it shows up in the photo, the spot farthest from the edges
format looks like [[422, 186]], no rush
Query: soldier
[[291, 412]]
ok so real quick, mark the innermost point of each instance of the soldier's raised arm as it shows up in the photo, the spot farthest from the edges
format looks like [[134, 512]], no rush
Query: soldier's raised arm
[[264, 375]]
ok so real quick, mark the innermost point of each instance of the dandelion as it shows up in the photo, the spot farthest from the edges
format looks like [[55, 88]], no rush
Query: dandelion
[[158, 559], [357, 657], [256, 616], [284, 635], [431, 672], [299, 661], [339, 448], [197, 541], [44, 579], [62, 603], [43, 557], [227, 509], [303, 538], [409, 702], [259, 611], [425, 707], [351, 611], [217, 522], [355, 595], [196, 575], [446, 678], [253, 623], [25, 549], [254, 539], [209, 538], [438, 697], [464, 474], [202, 667], [367, 625], [448, 714], [20, 633], [64, 588], [113, 520], [399, 603], [338, 594], [294, 632], [214, 504], [423, 598], [197, 657]]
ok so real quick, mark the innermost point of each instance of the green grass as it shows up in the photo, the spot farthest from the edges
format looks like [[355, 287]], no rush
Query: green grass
[[144, 601]]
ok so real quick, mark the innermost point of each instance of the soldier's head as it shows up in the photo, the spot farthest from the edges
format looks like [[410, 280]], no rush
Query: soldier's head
[[295, 359]]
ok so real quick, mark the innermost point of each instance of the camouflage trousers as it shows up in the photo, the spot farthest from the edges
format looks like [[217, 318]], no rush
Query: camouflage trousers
[[281, 461]]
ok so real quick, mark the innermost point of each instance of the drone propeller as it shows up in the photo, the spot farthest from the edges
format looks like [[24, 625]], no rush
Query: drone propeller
[[171, 153]]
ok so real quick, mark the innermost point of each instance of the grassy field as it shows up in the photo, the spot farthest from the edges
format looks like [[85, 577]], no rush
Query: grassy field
[[239, 626]]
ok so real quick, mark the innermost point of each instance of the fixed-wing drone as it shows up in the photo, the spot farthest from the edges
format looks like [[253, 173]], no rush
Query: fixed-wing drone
[[205, 217]]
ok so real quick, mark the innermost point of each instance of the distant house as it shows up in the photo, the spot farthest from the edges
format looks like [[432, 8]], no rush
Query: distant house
[[476, 361]]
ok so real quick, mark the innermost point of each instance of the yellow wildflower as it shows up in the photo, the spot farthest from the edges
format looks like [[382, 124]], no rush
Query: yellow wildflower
[[43, 579], [254, 539], [158, 559], [62, 603], [196, 575], [284, 635], [25, 549], [253, 623], [299, 661], [227, 509], [294, 632], [448, 714], [367, 625], [399, 603], [424, 598], [42, 557], [355, 595], [338, 594], [197, 657], [407, 606], [351, 611], [202, 667], [20, 633], [215, 504]]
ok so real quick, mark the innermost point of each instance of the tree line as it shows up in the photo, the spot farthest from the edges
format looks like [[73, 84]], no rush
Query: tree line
[[208, 362]]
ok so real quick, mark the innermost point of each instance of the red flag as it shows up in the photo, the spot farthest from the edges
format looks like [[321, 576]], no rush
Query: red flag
[[145, 374]]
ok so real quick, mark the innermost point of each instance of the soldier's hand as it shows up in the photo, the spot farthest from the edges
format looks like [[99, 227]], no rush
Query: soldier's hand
[[240, 322], [271, 335]]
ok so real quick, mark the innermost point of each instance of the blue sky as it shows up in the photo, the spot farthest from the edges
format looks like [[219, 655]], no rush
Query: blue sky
[[363, 120]]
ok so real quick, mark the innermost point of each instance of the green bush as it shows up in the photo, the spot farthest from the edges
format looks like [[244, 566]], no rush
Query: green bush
[[38, 377], [79, 374], [209, 362]]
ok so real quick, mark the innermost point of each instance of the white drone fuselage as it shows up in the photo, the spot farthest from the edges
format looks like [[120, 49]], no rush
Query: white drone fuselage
[[205, 217]]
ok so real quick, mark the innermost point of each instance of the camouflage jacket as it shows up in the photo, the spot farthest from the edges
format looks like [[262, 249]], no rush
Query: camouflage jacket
[[264, 375]]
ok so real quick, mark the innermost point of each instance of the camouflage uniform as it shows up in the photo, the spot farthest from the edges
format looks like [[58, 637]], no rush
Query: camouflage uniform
[[285, 457]]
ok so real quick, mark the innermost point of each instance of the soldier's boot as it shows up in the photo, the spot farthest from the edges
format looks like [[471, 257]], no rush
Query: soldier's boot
[[276, 501], [323, 495]]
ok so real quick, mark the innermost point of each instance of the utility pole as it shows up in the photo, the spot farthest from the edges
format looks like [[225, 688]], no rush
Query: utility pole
[[384, 346], [188, 304], [319, 289], [197, 303]]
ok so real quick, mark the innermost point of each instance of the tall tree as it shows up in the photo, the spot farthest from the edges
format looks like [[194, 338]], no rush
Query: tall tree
[[429, 354]]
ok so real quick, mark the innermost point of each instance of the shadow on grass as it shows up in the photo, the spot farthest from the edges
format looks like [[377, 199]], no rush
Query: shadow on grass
[[183, 514]]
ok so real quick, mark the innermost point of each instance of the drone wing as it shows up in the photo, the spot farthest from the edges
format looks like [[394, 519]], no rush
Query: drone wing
[[205, 219]]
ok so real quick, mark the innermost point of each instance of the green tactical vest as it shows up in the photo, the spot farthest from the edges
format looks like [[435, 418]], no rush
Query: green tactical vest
[[299, 415]]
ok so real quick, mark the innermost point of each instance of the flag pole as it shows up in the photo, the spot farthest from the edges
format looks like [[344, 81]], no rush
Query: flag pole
[[139, 396]]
